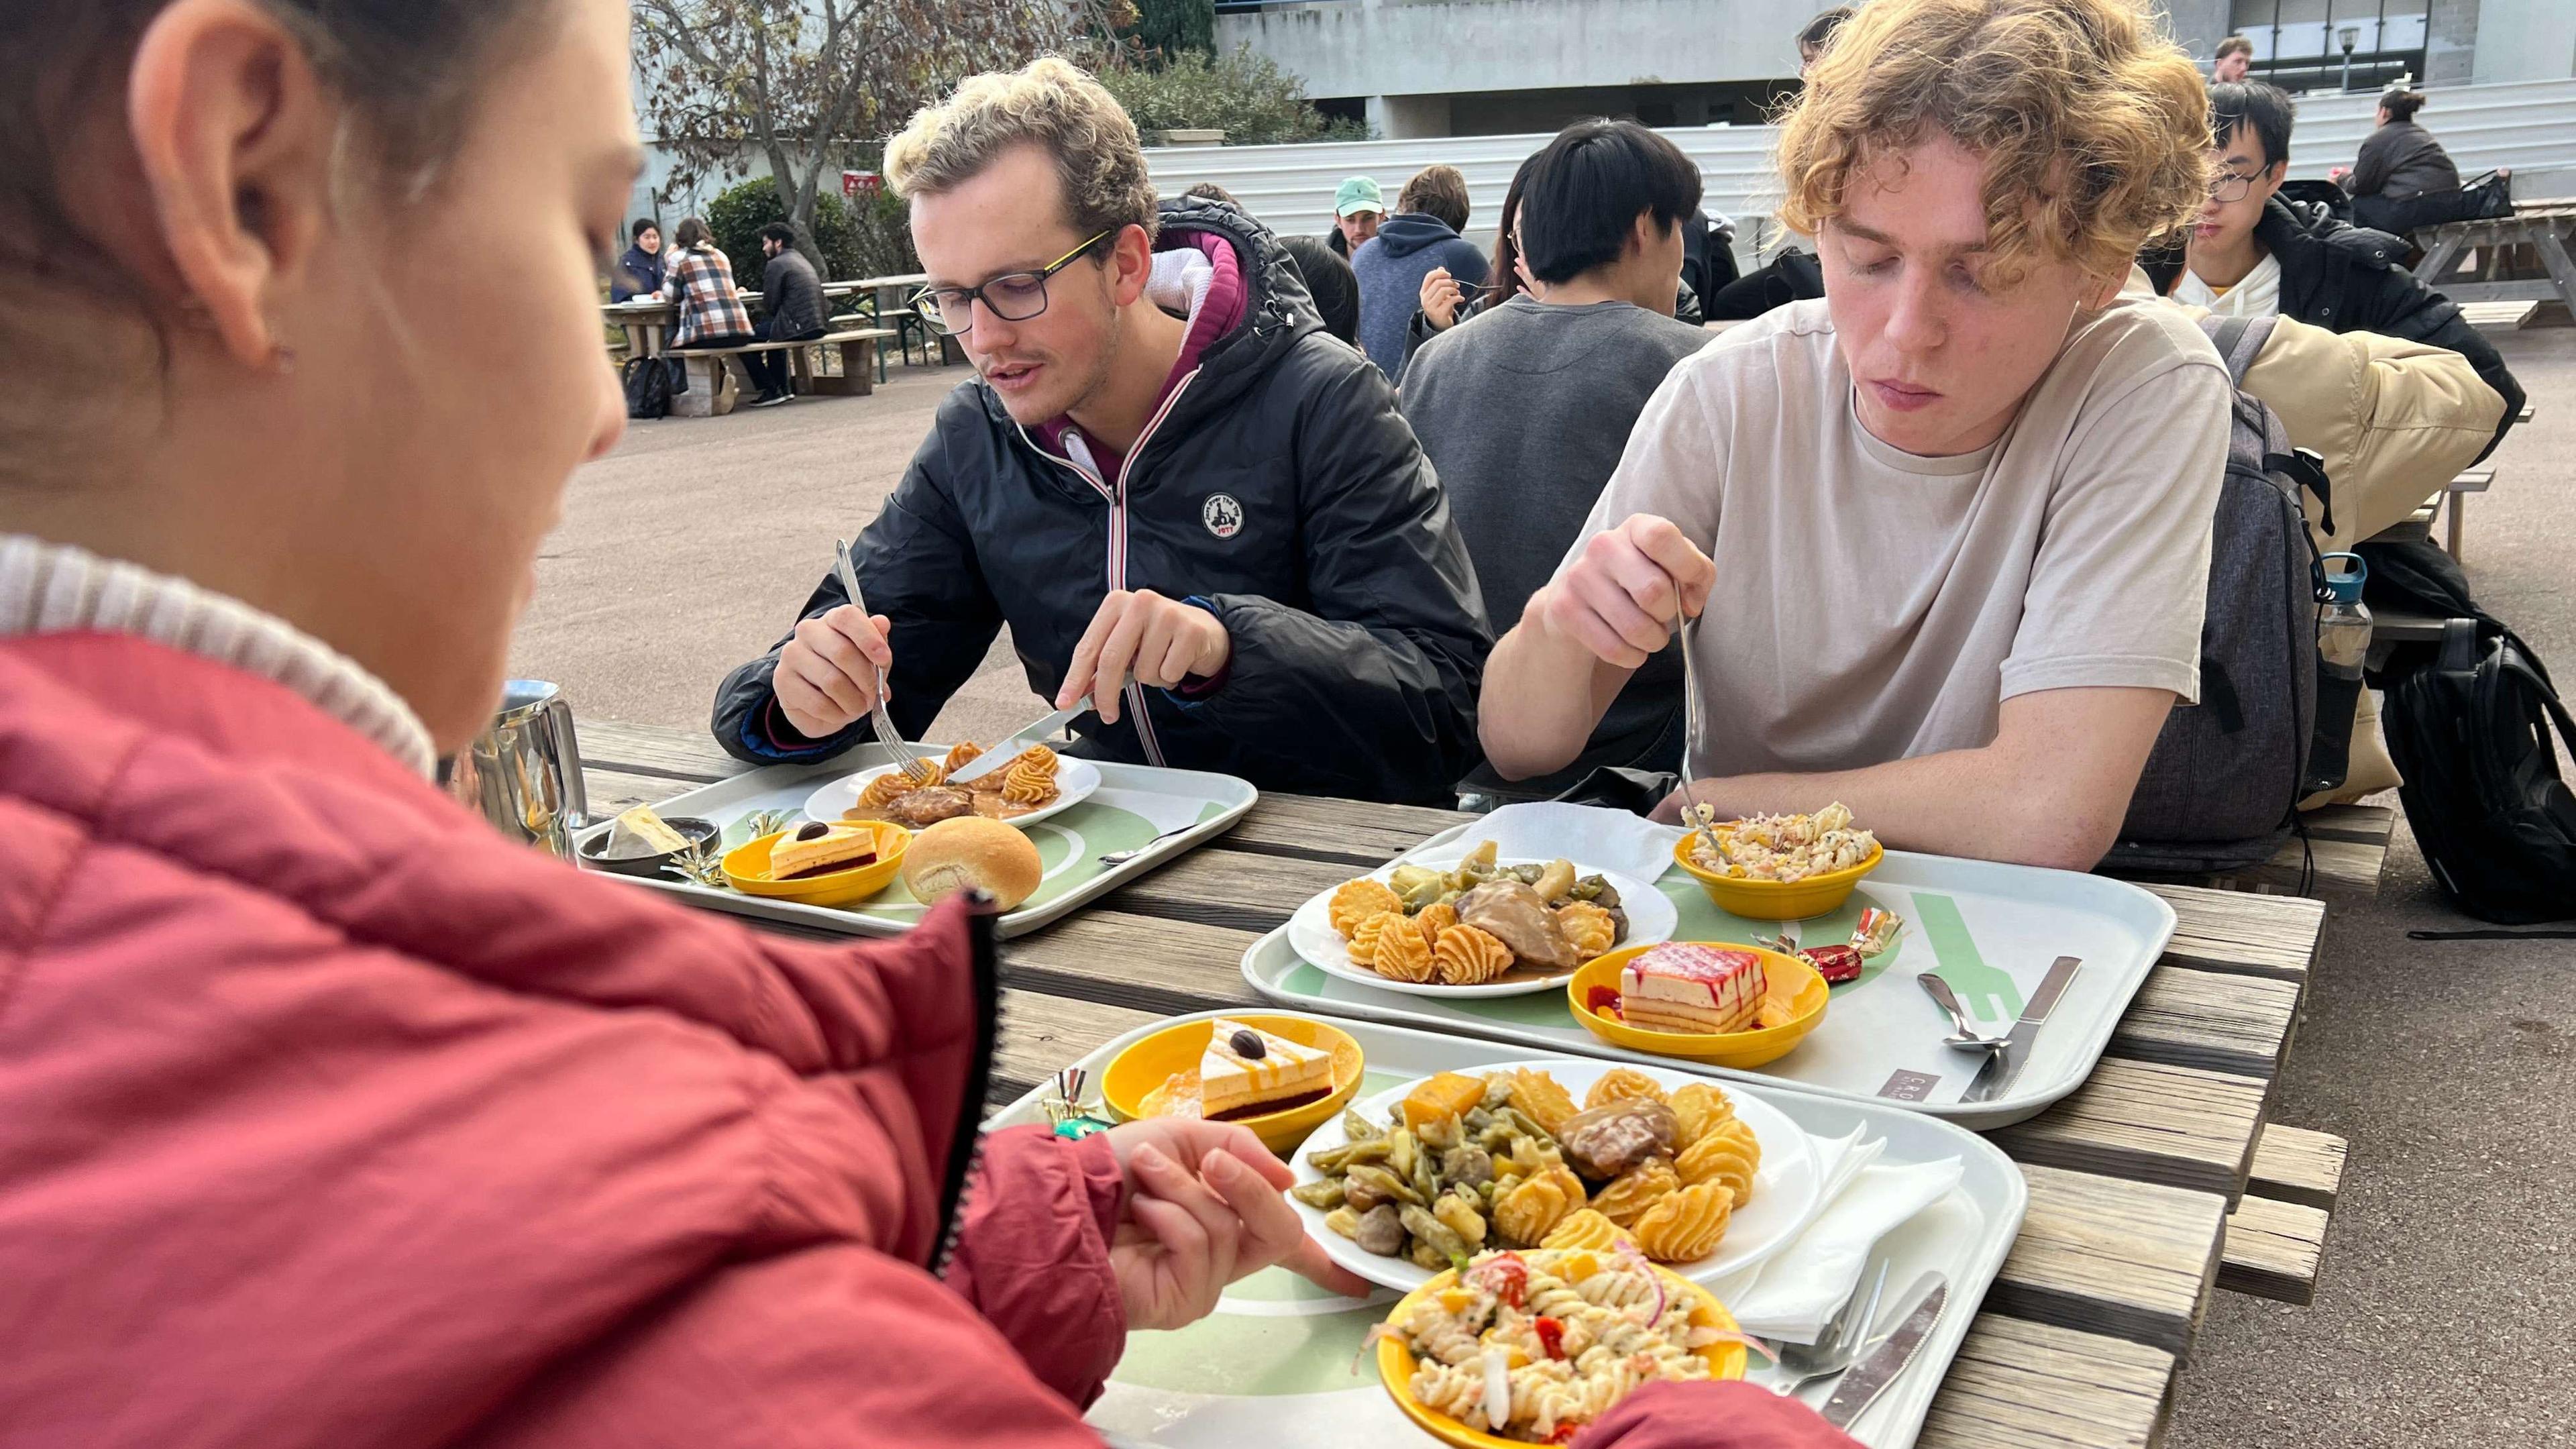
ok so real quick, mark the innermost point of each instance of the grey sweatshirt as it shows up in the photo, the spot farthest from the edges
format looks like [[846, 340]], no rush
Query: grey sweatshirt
[[1524, 411]]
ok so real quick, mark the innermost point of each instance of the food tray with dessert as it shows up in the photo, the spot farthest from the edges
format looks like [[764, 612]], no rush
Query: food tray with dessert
[[1828, 1003], [1284, 1364], [752, 845]]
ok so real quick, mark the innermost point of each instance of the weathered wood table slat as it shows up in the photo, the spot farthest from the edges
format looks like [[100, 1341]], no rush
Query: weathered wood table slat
[[2155, 1182]]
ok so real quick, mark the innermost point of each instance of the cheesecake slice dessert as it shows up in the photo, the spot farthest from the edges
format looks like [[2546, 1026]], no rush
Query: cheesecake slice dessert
[[1691, 989], [1246, 1071], [817, 848]]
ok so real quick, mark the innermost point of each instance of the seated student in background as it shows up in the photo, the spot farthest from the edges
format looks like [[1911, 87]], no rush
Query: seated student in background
[[1358, 207], [699, 277], [1187, 502], [1946, 532], [1423, 234], [1525, 413], [1793, 275], [2402, 178], [2251, 254], [1329, 283], [639, 272], [792, 294]]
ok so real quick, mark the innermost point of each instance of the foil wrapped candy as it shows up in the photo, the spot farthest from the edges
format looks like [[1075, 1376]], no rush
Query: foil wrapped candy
[[1841, 961]]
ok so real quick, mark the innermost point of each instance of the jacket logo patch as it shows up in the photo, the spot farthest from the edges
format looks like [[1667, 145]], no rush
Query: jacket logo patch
[[1223, 515]]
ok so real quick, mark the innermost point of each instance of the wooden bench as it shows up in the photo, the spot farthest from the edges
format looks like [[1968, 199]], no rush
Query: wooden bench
[[854, 350], [2276, 1236], [2499, 316]]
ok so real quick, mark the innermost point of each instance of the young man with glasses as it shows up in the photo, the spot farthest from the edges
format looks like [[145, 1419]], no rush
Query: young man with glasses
[[2251, 253], [1187, 502]]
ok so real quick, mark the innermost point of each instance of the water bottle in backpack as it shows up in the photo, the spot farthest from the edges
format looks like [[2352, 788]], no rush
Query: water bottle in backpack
[[2343, 647]]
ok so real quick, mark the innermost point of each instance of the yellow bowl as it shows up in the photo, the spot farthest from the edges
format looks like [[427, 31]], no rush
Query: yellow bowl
[[1775, 900], [1150, 1062], [1794, 987], [1395, 1361], [746, 869]]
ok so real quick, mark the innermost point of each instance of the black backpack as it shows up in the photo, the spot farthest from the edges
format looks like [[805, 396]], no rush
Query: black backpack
[[2220, 789], [650, 382], [2469, 725]]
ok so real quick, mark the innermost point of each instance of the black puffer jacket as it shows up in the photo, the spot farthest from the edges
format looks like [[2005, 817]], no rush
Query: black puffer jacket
[[792, 294], [1282, 489], [2352, 279]]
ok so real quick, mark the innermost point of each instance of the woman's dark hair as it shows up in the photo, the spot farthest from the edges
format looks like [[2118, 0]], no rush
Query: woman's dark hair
[[409, 70], [1821, 29], [1437, 191], [2251, 103], [642, 225], [1330, 282], [1210, 191], [1504, 283], [691, 234], [2401, 105], [1587, 188]]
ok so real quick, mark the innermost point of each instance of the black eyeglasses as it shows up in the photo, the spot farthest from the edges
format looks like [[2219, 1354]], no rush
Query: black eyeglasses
[[1012, 296], [2228, 186]]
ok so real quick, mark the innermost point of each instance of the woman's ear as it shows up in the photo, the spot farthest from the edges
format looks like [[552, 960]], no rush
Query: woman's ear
[[234, 135]]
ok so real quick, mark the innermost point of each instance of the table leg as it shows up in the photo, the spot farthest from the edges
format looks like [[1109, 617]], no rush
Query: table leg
[[2445, 247], [2451, 525], [2553, 255]]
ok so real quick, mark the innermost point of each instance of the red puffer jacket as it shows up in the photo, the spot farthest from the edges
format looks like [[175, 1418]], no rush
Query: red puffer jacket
[[328, 1118]]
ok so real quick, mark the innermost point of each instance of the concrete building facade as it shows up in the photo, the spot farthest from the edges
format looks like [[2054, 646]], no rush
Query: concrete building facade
[[1498, 67]]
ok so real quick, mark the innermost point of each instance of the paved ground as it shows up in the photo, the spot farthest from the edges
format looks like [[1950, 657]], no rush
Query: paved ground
[[2447, 1065]]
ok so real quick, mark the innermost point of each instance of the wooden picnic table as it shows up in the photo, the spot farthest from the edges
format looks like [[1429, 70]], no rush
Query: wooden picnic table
[[2542, 226], [645, 321], [2159, 1181]]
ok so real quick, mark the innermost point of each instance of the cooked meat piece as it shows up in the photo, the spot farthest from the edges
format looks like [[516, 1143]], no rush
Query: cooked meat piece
[[921, 809], [1615, 1136], [1513, 914]]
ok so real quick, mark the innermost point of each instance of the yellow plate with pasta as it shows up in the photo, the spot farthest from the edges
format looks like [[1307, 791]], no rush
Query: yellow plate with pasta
[[1776, 900], [1689, 1311], [1135, 1073], [1794, 1002]]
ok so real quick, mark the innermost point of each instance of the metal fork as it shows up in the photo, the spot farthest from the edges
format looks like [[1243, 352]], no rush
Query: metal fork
[[1690, 734], [902, 755], [1845, 1338]]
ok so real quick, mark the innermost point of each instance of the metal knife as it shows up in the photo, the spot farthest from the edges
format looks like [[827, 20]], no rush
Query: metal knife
[[1863, 1382], [2000, 1070], [1009, 749]]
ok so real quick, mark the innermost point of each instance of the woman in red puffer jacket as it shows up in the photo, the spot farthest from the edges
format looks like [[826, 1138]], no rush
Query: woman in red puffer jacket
[[327, 1118]]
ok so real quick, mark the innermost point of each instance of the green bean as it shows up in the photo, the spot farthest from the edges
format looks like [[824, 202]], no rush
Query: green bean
[[1325, 1194]]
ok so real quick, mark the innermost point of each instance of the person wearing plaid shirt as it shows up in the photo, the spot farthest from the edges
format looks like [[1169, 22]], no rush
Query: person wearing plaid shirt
[[700, 279]]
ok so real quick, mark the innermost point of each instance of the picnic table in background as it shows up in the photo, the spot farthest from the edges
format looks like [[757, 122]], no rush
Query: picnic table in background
[[2540, 225], [2158, 1181]]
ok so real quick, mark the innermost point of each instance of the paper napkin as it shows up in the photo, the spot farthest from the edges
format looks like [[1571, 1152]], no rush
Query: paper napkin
[[1793, 1294], [1611, 840]]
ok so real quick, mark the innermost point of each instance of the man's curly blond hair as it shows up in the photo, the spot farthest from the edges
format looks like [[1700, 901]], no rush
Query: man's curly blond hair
[[1052, 104], [2092, 126]]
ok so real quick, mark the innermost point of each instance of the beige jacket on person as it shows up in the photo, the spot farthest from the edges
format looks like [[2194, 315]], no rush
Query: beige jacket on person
[[2394, 420]]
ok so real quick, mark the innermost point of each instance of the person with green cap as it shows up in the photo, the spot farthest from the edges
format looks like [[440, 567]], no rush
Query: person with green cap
[[1358, 206]]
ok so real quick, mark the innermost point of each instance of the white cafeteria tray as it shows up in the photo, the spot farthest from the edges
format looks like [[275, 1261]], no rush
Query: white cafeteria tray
[[1133, 804], [1280, 1364], [1991, 930]]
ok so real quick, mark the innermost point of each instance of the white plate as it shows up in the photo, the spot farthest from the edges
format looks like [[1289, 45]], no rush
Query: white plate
[[1074, 779], [1651, 921], [1787, 1187]]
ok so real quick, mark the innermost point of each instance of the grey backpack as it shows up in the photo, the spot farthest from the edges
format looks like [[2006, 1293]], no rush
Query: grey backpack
[[2226, 775]]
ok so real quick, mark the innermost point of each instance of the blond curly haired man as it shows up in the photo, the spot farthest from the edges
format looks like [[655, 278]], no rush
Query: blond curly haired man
[[1950, 524]]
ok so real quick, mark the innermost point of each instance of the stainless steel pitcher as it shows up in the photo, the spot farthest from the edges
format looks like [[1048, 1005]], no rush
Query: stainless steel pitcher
[[524, 772]]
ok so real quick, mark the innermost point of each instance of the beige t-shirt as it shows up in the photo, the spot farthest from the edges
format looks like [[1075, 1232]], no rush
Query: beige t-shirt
[[1872, 605]]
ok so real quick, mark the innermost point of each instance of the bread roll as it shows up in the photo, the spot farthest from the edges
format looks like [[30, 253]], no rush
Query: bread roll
[[972, 852]]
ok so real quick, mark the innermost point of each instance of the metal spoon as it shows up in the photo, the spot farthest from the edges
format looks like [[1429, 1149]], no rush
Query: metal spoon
[[1967, 1038], [1117, 858]]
